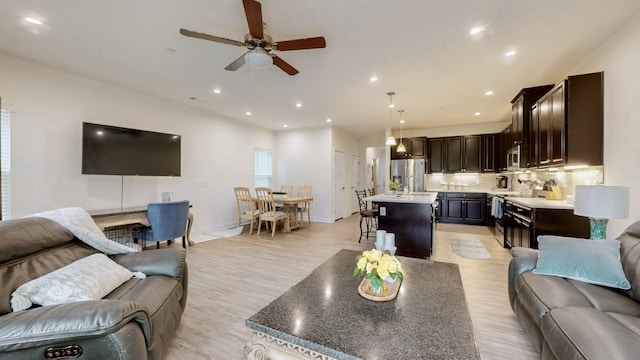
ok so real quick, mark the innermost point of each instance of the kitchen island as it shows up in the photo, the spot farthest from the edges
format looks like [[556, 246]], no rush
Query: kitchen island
[[411, 218]]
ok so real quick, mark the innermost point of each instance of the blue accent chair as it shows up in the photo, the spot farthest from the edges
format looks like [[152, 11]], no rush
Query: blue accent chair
[[168, 221]]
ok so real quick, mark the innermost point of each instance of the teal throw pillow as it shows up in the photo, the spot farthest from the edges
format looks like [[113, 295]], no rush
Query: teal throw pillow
[[591, 261]]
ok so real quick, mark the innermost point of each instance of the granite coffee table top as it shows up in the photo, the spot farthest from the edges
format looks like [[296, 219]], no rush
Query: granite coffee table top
[[324, 313]]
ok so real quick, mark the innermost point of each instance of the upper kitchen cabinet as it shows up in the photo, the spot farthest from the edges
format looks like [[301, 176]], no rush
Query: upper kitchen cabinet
[[520, 112], [488, 152], [570, 122], [435, 147], [504, 143], [456, 154], [416, 149]]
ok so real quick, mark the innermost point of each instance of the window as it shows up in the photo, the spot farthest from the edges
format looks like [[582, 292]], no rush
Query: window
[[5, 163], [262, 168]]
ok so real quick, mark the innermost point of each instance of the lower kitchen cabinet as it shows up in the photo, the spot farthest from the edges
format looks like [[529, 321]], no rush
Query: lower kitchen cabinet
[[462, 208], [523, 225]]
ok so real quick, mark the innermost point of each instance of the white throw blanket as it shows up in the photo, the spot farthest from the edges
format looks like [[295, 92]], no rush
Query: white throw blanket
[[81, 224]]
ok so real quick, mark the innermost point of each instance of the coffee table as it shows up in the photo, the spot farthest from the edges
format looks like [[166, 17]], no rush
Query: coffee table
[[324, 317]]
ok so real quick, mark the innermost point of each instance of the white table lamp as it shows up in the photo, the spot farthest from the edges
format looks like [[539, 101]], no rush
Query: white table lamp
[[600, 203]]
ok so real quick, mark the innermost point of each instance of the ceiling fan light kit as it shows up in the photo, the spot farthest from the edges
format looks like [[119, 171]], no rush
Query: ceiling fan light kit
[[258, 58], [261, 49]]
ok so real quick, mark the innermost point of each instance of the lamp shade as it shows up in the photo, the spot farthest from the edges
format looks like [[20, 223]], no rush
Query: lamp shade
[[258, 58], [602, 202]]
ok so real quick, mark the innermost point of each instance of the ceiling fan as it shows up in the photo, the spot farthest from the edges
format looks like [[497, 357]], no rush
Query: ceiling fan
[[262, 48]]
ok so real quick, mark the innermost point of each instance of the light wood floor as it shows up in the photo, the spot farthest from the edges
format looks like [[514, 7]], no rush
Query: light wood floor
[[231, 279]]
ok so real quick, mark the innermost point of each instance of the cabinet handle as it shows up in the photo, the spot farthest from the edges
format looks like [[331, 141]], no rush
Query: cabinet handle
[[544, 162]]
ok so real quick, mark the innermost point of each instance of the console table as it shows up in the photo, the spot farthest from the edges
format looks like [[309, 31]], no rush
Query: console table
[[125, 217]]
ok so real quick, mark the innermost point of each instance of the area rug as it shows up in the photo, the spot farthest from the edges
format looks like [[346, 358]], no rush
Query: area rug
[[470, 248]]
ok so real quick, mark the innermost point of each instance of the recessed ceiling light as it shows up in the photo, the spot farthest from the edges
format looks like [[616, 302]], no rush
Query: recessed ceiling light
[[391, 106], [329, 120], [217, 91], [33, 21], [488, 92], [248, 113], [373, 79], [298, 105], [477, 114], [401, 121], [510, 53], [284, 126], [476, 30]]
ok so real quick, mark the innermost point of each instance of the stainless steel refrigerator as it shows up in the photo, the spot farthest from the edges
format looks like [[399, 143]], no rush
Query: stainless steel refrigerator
[[410, 173]]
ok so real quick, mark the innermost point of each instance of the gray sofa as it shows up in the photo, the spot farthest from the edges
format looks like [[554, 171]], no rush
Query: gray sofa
[[135, 321], [568, 319]]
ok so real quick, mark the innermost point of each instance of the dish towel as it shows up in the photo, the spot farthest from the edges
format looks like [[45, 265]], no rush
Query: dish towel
[[496, 207]]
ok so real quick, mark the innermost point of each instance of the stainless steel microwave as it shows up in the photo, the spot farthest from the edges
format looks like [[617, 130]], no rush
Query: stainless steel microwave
[[515, 158]]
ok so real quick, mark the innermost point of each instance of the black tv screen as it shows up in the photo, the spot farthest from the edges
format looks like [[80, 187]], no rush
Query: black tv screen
[[112, 150]]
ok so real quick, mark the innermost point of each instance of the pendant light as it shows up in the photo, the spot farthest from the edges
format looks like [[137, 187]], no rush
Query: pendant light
[[390, 139], [401, 148]]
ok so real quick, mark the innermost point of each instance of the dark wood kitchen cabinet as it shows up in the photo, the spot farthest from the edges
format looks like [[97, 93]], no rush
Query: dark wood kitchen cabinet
[[523, 224], [416, 149], [488, 152], [570, 123], [436, 155], [453, 152], [520, 112], [463, 208], [460, 154], [504, 143]]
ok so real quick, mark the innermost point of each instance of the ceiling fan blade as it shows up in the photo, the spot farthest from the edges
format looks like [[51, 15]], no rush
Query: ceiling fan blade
[[253, 11], [236, 64], [203, 36], [284, 66], [301, 44]]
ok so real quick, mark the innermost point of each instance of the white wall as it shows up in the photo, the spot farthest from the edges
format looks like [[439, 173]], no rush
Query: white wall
[[49, 107], [304, 157], [619, 57], [349, 146]]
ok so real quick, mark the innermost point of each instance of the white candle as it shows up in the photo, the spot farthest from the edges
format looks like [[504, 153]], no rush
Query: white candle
[[390, 242], [380, 234]]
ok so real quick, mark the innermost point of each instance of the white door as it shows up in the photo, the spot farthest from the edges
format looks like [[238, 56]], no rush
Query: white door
[[355, 183], [338, 187]]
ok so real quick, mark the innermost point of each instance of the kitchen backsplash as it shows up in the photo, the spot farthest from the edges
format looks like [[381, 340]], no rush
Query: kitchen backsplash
[[567, 180]]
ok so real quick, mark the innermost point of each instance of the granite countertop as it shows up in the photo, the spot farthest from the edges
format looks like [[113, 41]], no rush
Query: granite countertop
[[325, 313], [413, 198]]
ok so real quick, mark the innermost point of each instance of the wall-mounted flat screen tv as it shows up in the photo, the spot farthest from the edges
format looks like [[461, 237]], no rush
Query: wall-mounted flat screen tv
[[112, 150]]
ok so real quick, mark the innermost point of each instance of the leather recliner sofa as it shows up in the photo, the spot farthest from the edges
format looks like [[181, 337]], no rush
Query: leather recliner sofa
[[135, 321], [569, 319]]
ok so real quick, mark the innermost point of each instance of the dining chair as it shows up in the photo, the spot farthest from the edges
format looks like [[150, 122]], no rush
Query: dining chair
[[287, 189], [305, 207], [246, 206], [168, 221], [268, 211], [369, 215]]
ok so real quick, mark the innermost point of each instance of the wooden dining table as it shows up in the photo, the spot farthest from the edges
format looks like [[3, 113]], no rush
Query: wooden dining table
[[290, 204]]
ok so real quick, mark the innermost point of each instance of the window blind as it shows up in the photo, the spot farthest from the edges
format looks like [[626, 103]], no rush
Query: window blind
[[5, 163], [262, 168]]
